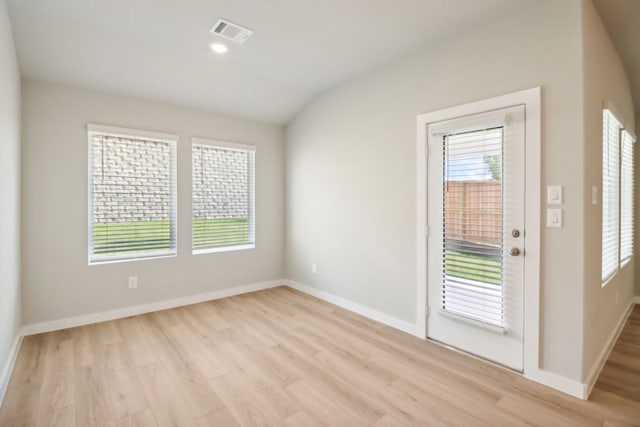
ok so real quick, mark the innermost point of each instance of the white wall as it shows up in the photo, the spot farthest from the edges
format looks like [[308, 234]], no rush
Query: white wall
[[10, 306], [605, 80], [57, 282], [350, 162]]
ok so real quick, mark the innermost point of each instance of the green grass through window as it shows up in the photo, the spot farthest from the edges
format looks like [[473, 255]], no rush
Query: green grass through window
[[116, 238], [119, 238], [481, 267], [213, 233]]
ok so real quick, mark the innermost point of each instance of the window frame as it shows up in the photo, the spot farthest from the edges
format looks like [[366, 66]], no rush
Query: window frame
[[172, 141], [610, 113], [251, 220], [610, 148], [627, 142]]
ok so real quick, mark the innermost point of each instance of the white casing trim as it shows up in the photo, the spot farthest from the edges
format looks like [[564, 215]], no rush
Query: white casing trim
[[7, 369], [531, 99], [394, 322], [85, 319], [594, 373], [132, 132], [224, 144]]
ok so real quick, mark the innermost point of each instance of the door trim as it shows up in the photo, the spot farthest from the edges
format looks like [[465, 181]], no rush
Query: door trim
[[530, 98]]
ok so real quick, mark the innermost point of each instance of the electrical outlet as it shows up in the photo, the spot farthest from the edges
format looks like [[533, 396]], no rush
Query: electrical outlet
[[314, 268], [133, 282]]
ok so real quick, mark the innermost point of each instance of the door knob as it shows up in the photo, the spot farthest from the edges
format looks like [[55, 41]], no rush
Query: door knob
[[514, 251]]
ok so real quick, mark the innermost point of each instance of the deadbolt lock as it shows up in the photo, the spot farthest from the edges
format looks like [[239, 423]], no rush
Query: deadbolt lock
[[515, 233]]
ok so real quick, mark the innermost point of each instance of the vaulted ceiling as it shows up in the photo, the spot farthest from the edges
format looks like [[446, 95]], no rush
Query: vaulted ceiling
[[158, 49], [622, 19]]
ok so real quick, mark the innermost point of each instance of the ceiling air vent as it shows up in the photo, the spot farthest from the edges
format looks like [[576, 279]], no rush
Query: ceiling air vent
[[231, 31]]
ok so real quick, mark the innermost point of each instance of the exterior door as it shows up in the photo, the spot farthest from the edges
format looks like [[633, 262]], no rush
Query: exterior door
[[475, 244]]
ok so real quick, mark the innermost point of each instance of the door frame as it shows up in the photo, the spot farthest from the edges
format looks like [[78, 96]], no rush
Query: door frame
[[530, 98]]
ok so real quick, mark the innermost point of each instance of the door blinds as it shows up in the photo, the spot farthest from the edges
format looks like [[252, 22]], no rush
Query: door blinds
[[472, 218]]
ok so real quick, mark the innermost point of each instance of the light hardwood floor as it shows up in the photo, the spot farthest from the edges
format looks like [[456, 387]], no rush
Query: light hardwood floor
[[282, 358]]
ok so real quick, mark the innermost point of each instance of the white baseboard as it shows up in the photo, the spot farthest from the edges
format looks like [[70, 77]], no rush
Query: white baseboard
[[636, 299], [560, 383], [594, 373], [394, 322], [550, 379], [8, 367], [86, 319]]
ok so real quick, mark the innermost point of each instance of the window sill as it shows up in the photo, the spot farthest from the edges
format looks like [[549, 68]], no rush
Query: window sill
[[610, 278], [142, 257], [223, 249], [623, 264]]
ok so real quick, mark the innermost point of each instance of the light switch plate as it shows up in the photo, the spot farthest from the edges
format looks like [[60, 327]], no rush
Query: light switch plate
[[554, 218], [554, 194], [594, 195]]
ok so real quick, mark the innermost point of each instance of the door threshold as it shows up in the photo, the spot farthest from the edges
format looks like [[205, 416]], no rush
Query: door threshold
[[473, 356]]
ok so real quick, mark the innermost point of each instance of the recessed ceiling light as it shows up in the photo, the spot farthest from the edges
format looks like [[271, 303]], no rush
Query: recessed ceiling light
[[218, 48]]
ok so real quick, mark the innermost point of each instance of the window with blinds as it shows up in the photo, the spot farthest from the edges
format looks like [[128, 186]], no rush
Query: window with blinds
[[610, 194], [132, 194], [472, 218], [626, 196], [223, 194]]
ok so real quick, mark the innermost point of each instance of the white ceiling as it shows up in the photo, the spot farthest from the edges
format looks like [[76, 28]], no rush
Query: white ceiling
[[622, 19], [158, 49]]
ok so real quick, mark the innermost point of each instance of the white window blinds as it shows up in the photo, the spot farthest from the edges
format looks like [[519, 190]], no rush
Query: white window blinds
[[610, 194], [626, 196], [472, 218], [223, 196], [132, 194]]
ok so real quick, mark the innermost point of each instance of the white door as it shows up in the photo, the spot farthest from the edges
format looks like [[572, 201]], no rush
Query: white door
[[475, 249]]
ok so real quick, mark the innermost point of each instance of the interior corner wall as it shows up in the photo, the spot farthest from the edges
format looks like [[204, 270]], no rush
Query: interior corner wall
[[605, 80], [57, 281], [351, 168], [10, 296]]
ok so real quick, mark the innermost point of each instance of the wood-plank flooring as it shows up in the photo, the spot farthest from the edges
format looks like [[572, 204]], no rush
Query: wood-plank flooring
[[282, 358]]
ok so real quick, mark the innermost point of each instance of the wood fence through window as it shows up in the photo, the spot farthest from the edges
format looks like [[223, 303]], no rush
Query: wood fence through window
[[473, 212]]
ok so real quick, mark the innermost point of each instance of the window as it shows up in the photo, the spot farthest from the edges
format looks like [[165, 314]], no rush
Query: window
[[132, 194], [617, 195], [626, 194], [610, 193], [223, 209]]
